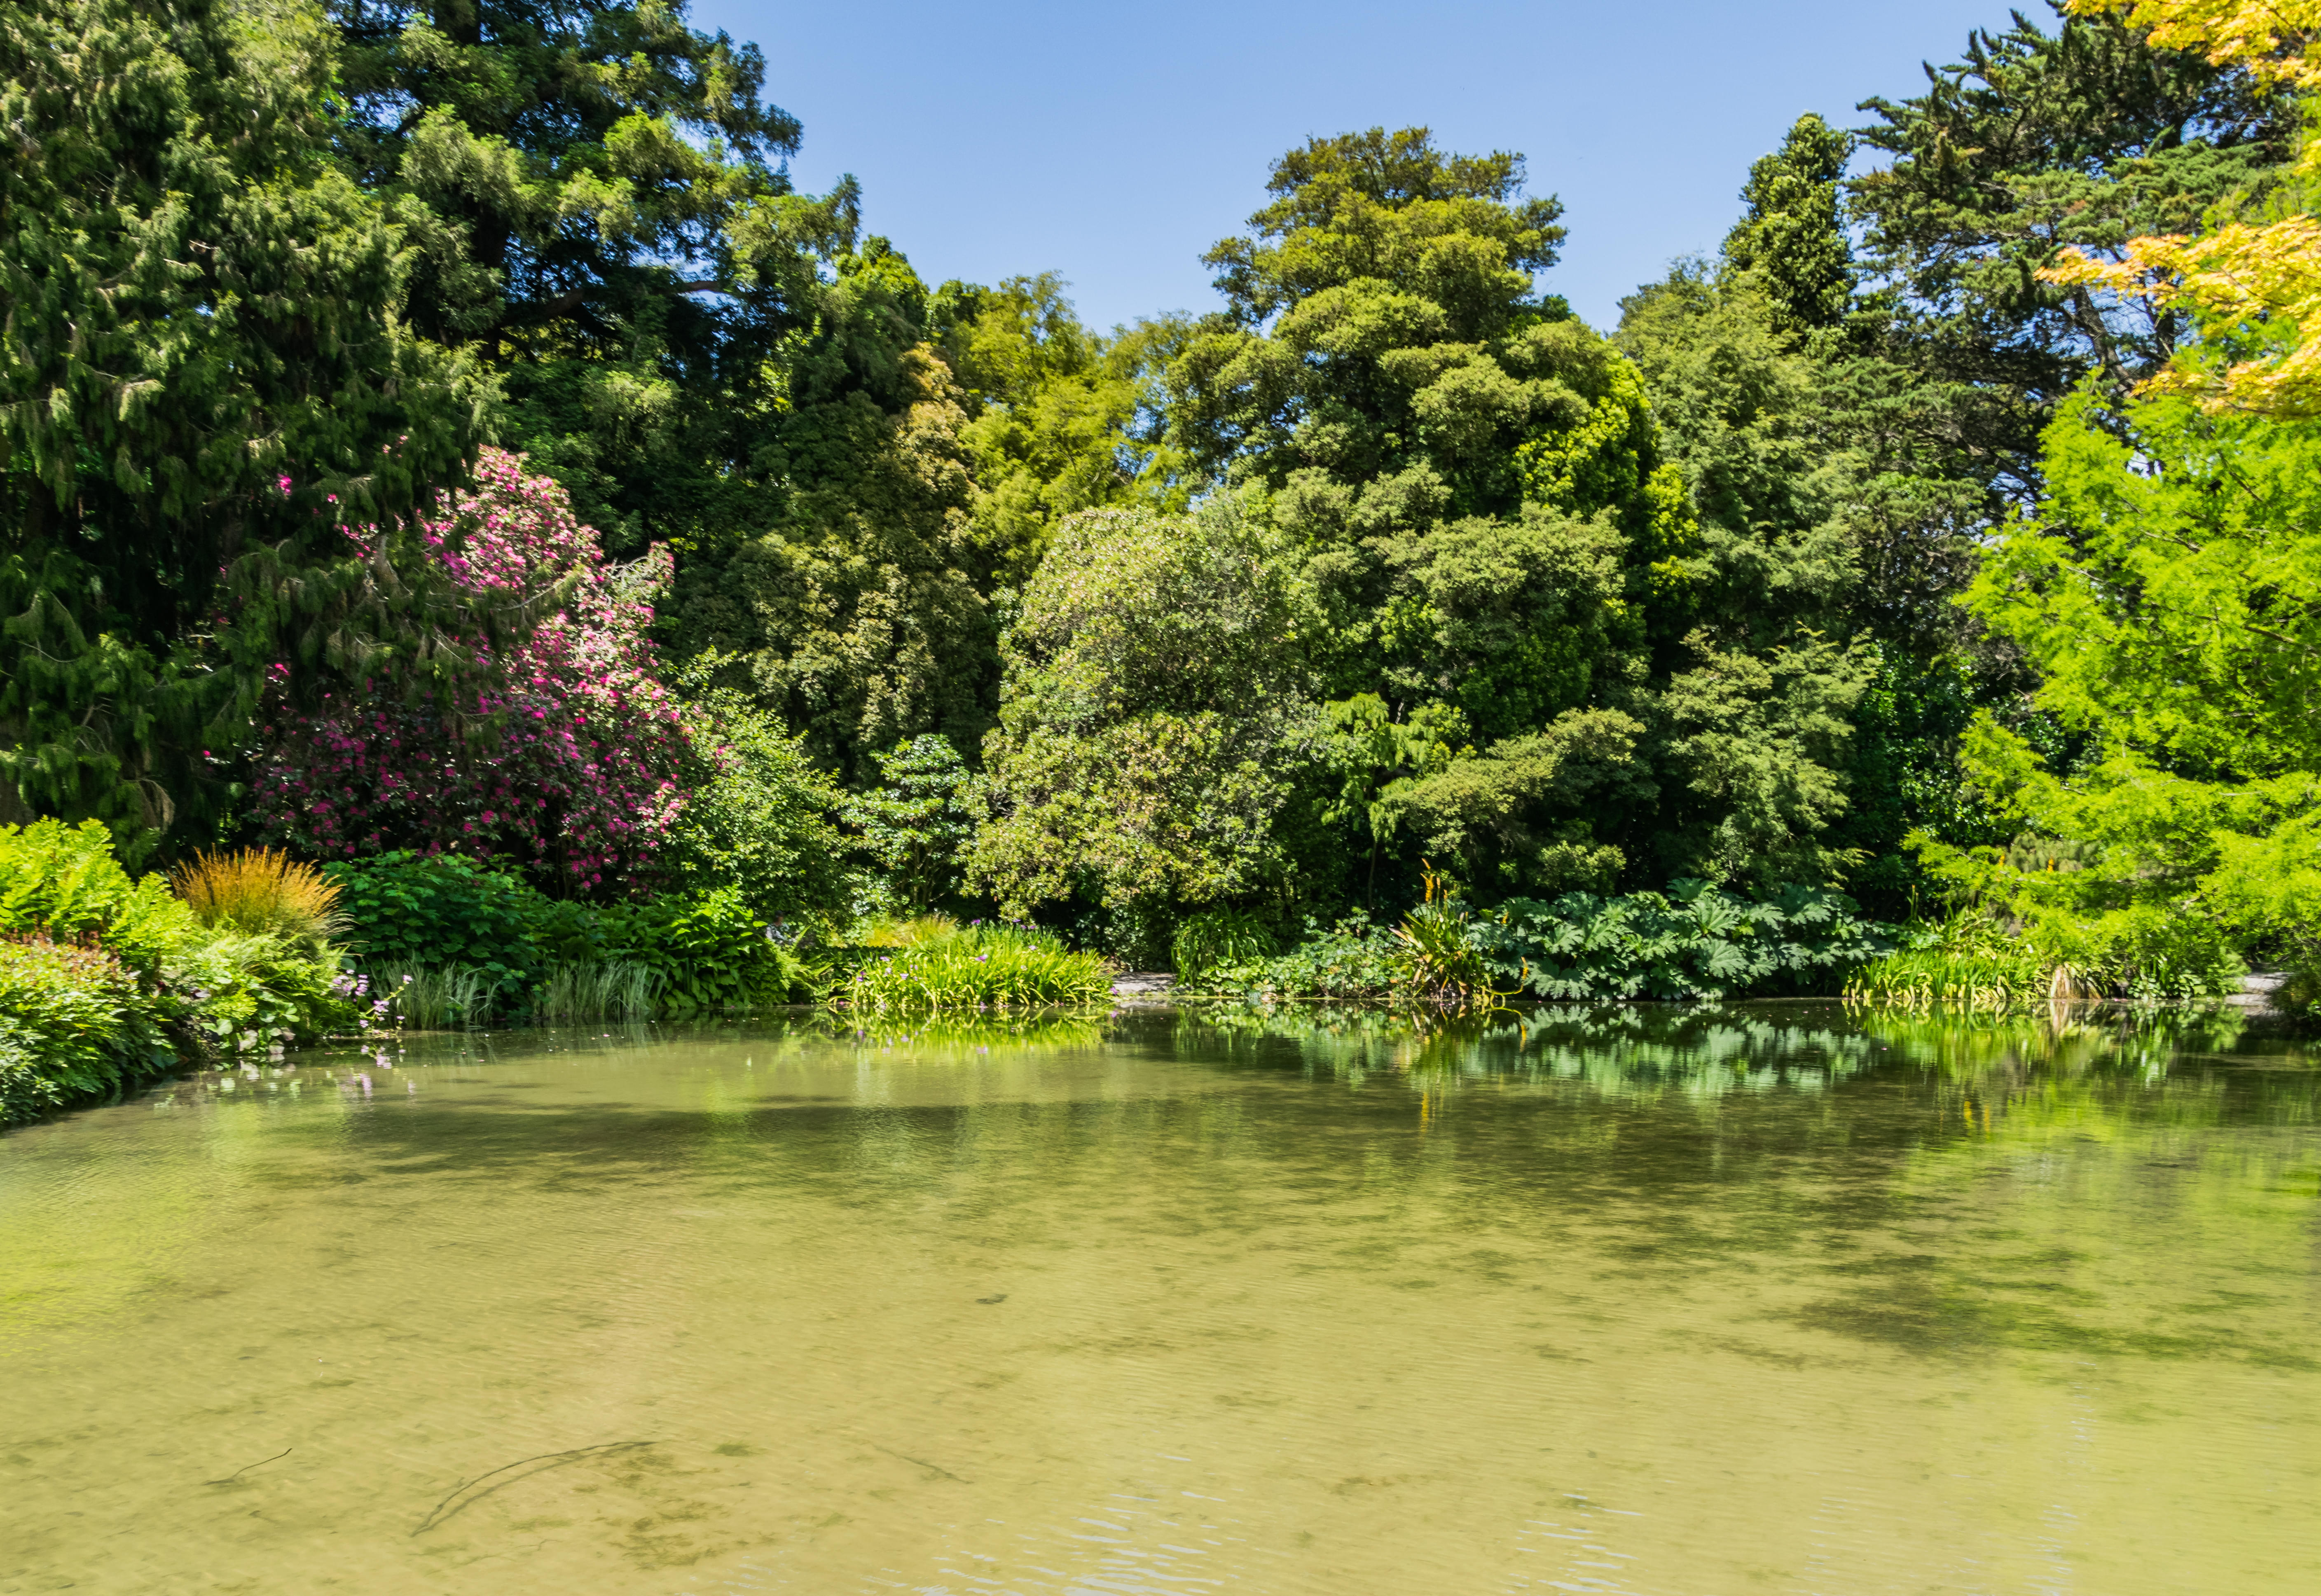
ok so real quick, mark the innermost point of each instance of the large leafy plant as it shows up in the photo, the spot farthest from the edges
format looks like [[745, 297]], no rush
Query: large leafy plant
[[1695, 944]]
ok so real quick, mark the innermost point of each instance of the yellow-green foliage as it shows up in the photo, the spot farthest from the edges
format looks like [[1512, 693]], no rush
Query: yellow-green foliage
[[908, 934], [982, 967], [263, 892], [106, 981]]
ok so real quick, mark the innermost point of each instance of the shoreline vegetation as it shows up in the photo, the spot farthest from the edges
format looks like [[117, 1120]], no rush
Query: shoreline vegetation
[[512, 557]]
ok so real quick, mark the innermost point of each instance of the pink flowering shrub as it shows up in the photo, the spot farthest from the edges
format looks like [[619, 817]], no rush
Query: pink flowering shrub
[[576, 767]]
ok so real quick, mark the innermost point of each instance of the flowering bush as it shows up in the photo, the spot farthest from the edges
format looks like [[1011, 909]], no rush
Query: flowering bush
[[570, 760]]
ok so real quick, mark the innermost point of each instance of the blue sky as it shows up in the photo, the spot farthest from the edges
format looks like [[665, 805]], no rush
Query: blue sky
[[1114, 144]]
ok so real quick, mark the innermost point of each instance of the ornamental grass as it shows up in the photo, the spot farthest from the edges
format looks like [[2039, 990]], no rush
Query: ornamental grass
[[262, 893]]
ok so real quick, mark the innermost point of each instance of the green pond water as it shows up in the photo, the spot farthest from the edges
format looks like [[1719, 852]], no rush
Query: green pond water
[[1758, 1301]]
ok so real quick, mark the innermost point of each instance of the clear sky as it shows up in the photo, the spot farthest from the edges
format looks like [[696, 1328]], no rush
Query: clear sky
[[1116, 143]]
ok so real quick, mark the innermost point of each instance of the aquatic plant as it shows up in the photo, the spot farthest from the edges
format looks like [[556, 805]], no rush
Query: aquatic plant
[[606, 988], [435, 997], [982, 967], [1438, 963]]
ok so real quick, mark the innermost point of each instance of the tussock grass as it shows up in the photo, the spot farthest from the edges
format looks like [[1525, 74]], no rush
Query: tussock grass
[[982, 967], [915, 932], [262, 893]]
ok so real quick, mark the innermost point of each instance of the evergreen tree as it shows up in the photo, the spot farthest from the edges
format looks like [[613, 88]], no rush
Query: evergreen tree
[[1511, 565], [205, 379]]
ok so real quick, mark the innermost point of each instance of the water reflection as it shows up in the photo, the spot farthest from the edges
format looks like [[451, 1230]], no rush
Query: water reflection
[[1651, 1300]]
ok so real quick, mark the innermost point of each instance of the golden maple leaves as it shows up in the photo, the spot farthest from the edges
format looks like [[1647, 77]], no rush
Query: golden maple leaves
[[2254, 286]]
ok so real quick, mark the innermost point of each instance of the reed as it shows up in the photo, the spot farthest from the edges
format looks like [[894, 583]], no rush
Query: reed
[[432, 998], [598, 989]]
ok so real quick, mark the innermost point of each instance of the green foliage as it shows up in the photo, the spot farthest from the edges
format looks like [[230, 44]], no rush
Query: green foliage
[[444, 910], [1792, 237], [1438, 961], [107, 980], [1152, 705], [1353, 960], [595, 199], [758, 817], [208, 375], [915, 824], [1480, 494], [1210, 938], [2170, 593], [1974, 960], [1055, 416], [74, 1025], [853, 594], [982, 967], [2086, 136], [491, 930], [1692, 944]]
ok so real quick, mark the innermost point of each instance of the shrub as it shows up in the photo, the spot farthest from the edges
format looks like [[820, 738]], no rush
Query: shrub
[[427, 912], [1973, 961], [1213, 937], [1694, 944], [709, 952], [74, 1025], [262, 891], [982, 967], [568, 758], [430, 918], [64, 882], [758, 815], [1353, 960], [916, 822], [110, 980]]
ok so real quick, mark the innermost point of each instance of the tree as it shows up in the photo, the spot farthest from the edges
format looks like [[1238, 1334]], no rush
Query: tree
[[2252, 283], [916, 821], [2170, 591], [1496, 528], [595, 193], [1056, 415], [1151, 713], [1792, 237], [856, 605], [206, 376], [2031, 143]]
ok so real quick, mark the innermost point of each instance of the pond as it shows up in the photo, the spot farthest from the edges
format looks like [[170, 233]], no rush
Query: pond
[[1757, 1300]]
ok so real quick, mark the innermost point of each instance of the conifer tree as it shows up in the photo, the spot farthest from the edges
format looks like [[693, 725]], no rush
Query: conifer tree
[[205, 378]]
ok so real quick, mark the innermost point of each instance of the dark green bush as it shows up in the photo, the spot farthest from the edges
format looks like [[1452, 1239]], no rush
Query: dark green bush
[[707, 949], [445, 909], [1695, 944], [1211, 937]]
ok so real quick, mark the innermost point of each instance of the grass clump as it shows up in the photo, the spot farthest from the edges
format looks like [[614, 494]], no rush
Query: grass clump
[[598, 989], [262, 892], [994, 967]]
